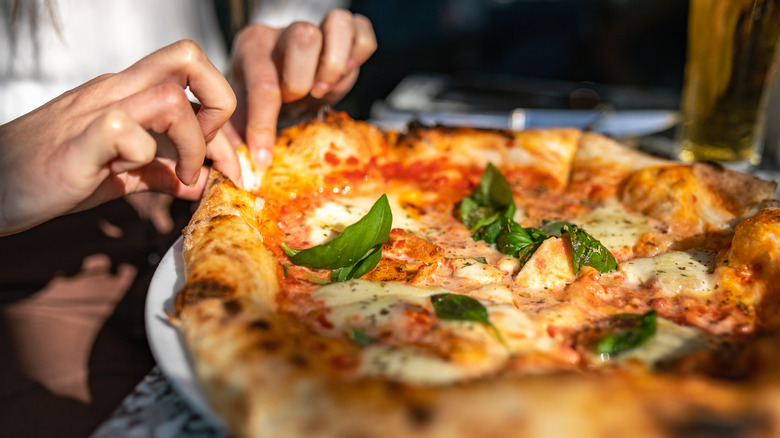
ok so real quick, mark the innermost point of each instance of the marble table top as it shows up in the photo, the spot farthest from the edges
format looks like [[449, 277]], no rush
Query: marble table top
[[155, 410]]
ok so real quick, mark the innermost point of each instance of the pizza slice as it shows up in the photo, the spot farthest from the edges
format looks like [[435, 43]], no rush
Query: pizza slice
[[465, 282]]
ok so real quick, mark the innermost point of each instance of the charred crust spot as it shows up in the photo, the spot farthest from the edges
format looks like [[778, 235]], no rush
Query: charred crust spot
[[299, 361], [232, 307], [202, 290], [270, 345], [706, 424], [419, 415], [260, 324]]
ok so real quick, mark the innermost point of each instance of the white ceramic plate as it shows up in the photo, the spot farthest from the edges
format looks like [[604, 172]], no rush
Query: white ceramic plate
[[164, 339]]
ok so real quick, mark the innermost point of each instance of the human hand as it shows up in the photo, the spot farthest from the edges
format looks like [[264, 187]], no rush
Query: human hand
[[286, 72], [96, 143]]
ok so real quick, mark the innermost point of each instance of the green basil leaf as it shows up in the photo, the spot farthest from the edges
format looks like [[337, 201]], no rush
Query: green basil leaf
[[639, 329], [488, 233], [456, 307], [556, 228], [459, 308], [491, 200], [359, 336], [525, 254], [587, 251], [289, 251], [514, 237], [360, 268], [316, 280], [355, 243]]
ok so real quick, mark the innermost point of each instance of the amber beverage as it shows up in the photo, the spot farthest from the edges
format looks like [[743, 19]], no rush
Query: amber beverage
[[731, 64]]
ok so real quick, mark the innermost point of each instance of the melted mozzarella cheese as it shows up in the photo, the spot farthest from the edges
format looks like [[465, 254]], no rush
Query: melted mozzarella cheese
[[614, 226], [360, 291], [328, 220], [670, 341], [410, 366], [521, 334], [675, 272], [363, 304], [476, 271]]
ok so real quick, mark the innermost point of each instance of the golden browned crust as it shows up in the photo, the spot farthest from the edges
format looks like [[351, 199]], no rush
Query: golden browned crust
[[736, 191], [223, 253]]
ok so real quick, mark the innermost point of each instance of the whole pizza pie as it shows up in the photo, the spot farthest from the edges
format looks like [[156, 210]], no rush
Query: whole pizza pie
[[458, 282]]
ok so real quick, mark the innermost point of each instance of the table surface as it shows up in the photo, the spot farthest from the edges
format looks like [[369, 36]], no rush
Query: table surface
[[155, 410]]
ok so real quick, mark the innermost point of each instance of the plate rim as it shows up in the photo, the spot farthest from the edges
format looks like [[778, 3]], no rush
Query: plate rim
[[165, 341]]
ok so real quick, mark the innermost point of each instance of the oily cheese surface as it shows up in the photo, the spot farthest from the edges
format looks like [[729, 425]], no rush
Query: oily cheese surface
[[282, 349]]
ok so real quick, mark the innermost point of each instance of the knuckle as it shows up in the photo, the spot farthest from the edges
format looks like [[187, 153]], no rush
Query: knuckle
[[254, 36], [171, 97], [114, 122], [266, 87], [338, 18], [304, 33], [188, 51], [366, 39]]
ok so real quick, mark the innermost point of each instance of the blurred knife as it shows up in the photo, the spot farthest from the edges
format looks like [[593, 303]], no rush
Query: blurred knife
[[615, 123]]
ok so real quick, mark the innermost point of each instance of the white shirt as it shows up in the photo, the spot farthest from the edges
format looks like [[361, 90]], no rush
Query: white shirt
[[40, 60]]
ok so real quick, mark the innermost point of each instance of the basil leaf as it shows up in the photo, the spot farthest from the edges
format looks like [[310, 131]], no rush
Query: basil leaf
[[640, 329], [490, 201], [525, 254], [488, 233], [357, 270], [587, 251], [514, 237], [360, 337], [355, 243], [463, 308], [289, 251], [556, 228], [459, 308]]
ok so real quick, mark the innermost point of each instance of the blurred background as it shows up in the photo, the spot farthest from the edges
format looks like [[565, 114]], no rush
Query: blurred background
[[494, 45]]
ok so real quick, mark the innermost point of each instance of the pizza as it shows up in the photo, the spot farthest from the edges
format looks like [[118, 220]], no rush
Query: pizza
[[463, 282]]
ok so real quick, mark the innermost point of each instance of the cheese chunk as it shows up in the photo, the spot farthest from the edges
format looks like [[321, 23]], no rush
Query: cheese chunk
[[330, 218], [675, 273], [550, 268], [614, 226]]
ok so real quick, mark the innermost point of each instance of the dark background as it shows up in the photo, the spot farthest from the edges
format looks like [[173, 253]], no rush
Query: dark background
[[626, 43]]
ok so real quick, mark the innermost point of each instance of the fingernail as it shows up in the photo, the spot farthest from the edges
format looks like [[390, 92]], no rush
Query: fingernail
[[261, 157], [194, 179], [211, 135], [319, 89]]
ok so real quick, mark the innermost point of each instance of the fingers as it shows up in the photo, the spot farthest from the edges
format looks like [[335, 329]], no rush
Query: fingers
[[339, 30], [256, 80], [185, 64], [157, 176], [299, 49], [349, 42], [113, 141], [166, 109], [365, 43], [221, 152]]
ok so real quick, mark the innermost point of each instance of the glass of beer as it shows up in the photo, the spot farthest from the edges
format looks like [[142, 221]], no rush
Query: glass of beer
[[731, 64]]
